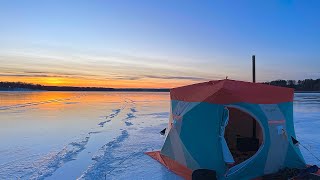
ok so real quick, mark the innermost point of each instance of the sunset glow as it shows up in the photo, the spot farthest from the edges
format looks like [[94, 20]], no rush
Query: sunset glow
[[156, 44], [79, 82]]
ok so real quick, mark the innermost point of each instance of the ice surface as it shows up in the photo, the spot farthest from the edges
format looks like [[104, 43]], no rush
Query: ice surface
[[307, 124], [81, 135], [103, 135]]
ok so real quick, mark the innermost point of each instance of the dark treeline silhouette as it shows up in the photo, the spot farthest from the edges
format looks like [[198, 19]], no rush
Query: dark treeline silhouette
[[300, 85], [21, 86]]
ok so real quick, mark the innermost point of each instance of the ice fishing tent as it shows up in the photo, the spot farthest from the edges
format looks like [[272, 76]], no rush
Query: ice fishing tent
[[259, 114]]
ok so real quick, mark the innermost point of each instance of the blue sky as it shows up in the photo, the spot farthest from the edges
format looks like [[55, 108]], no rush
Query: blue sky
[[164, 43]]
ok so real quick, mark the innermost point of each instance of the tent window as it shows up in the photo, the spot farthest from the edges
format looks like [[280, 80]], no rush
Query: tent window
[[242, 141]]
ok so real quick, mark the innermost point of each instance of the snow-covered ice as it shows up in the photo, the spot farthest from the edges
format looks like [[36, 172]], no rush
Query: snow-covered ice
[[102, 135]]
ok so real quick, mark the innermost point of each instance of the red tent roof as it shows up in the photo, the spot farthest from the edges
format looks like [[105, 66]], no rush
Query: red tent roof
[[231, 91]]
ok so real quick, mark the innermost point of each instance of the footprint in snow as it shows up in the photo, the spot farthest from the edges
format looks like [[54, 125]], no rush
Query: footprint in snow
[[128, 123]]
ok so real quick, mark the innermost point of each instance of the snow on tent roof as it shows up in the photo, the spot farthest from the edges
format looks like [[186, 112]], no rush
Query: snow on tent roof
[[231, 91]]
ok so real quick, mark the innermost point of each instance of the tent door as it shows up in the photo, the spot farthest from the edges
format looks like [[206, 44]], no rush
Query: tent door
[[235, 118]]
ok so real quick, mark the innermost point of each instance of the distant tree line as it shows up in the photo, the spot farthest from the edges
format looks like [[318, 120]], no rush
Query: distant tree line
[[21, 86], [300, 85]]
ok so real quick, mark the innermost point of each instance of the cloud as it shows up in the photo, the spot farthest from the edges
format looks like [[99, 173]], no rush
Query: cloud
[[126, 77], [30, 75], [44, 74], [178, 78], [137, 77], [35, 72], [159, 77]]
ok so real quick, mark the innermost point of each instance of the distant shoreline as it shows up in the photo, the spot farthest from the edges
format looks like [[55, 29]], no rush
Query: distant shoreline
[[61, 90], [306, 86], [306, 91], [20, 86]]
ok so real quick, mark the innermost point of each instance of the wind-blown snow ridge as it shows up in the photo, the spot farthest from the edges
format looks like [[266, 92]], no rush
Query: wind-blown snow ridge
[[104, 159], [31, 104], [41, 102], [46, 166], [112, 115]]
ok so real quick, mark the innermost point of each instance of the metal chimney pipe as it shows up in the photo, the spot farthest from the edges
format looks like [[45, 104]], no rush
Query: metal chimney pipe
[[254, 134], [253, 68]]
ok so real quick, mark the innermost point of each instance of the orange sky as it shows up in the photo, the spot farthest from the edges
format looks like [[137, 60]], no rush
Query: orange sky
[[84, 82]]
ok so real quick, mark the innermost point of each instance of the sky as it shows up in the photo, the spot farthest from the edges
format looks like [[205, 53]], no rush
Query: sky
[[157, 44]]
